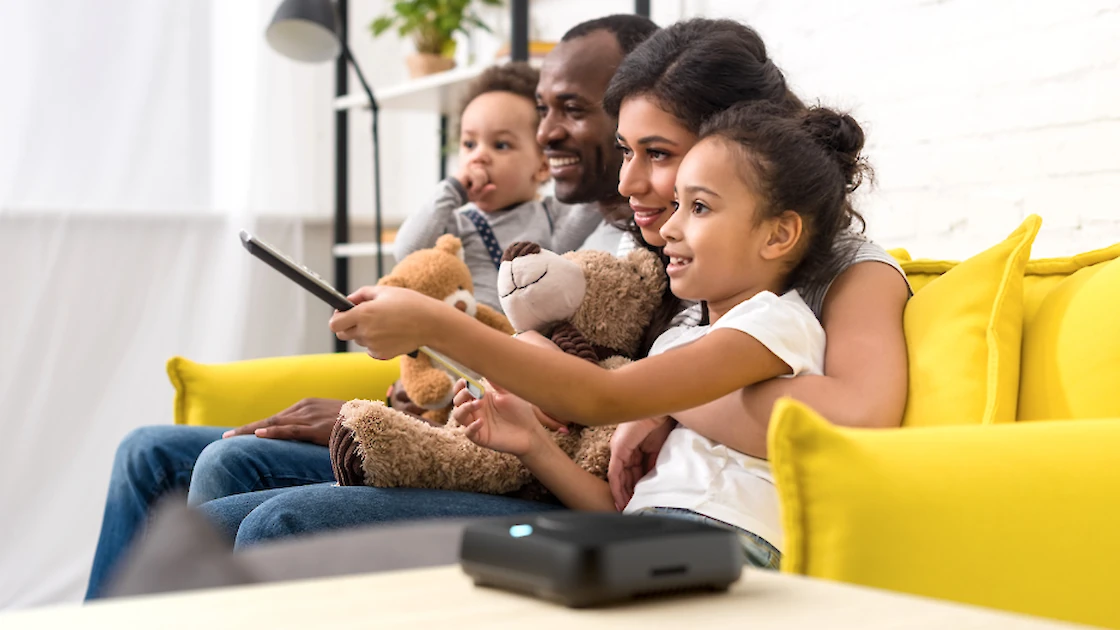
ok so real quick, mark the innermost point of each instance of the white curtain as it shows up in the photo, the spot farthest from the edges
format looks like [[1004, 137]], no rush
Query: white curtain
[[136, 138]]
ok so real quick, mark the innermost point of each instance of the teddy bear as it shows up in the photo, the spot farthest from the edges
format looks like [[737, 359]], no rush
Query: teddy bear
[[591, 304], [439, 272]]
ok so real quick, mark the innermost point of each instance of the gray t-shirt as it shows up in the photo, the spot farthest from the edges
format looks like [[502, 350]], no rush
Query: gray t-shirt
[[553, 225], [849, 248]]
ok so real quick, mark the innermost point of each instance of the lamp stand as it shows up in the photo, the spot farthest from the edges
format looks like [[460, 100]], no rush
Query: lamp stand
[[374, 110]]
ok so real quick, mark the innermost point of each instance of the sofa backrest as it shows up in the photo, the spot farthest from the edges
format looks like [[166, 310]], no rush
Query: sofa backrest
[[1070, 366]]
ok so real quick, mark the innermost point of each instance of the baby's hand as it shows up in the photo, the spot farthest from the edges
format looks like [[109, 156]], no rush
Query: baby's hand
[[475, 180], [499, 421]]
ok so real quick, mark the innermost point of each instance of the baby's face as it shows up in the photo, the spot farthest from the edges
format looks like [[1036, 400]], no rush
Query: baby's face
[[499, 136]]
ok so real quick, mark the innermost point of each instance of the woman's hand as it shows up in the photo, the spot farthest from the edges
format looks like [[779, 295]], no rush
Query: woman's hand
[[499, 421], [387, 321], [634, 449]]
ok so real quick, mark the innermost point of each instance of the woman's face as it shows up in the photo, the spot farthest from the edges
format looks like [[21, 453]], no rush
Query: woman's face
[[653, 142]]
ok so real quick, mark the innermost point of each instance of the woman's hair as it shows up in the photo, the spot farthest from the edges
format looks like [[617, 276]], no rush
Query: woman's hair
[[516, 77], [807, 162], [695, 69]]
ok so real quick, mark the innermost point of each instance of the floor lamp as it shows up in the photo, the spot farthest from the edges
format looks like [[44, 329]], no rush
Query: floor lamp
[[308, 31]]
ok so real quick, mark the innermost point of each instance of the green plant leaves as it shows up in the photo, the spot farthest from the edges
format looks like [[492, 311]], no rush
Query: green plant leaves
[[431, 23]]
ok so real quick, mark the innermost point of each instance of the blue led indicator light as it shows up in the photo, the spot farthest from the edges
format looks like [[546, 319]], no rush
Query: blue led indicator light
[[520, 531]]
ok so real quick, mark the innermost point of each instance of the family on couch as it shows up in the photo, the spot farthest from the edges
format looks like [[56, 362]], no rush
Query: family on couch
[[694, 117]]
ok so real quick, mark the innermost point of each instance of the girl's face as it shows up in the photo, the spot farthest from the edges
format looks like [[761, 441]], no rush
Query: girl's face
[[718, 250], [653, 143]]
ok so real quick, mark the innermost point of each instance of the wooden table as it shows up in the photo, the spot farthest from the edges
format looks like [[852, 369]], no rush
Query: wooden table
[[444, 597]]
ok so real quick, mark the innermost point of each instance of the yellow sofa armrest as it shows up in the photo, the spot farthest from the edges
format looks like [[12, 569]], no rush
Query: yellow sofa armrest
[[236, 393], [1020, 517]]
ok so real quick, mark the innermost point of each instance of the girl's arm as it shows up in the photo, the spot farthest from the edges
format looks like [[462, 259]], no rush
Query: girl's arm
[[575, 487], [389, 321], [506, 423], [865, 367]]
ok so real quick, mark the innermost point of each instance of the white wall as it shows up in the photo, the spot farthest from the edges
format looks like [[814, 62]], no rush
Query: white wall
[[977, 112]]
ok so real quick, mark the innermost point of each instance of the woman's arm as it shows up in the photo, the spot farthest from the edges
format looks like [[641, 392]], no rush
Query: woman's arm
[[389, 321], [865, 367]]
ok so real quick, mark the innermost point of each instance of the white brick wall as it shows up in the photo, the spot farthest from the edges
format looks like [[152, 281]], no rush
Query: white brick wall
[[978, 112]]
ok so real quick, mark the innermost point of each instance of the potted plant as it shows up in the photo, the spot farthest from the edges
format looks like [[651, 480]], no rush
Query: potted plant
[[432, 25]]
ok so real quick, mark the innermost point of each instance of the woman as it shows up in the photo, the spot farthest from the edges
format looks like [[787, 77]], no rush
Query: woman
[[661, 93]]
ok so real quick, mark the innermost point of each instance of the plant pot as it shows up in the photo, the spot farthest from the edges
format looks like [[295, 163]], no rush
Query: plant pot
[[423, 64]]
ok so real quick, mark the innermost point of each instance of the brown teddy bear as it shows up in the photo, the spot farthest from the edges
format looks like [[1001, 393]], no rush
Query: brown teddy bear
[[441, 273], [592, 304]]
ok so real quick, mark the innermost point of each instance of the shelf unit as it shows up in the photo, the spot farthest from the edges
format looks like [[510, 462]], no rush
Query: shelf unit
[[439, 93], [434, 93]]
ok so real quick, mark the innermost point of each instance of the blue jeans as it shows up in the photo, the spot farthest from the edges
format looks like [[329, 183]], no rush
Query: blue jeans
[[261, 516], [756, 550], [154, 461]]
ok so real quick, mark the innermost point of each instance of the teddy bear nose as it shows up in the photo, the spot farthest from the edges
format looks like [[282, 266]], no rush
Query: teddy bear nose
[[461, 305], [517, 250]]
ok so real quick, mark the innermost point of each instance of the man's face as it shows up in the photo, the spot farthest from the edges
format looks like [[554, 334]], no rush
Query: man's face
[[576, 134]]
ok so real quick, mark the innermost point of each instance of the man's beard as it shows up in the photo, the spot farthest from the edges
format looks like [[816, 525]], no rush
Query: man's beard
[[598, 185]]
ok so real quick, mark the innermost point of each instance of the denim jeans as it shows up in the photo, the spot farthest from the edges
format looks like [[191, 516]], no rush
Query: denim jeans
[[154, 461], [261, 516], [756, 551]]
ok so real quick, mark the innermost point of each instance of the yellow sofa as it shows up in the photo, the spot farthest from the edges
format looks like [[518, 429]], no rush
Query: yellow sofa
[[237, 393], [1021, 515], [968, 504]]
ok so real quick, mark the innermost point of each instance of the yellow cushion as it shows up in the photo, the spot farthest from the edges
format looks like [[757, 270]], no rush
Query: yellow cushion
[[233, 394], [963, 331], [1020, 517], [899, 254], [1071, 340]]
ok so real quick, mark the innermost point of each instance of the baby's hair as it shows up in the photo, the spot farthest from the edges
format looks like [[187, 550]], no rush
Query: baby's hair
[[808, 162], [516, 77]]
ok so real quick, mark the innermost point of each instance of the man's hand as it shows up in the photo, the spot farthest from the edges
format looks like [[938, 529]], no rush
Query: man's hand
[[309, 420], [634, 449]]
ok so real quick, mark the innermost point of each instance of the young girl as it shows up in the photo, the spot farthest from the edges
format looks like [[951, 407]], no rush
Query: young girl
[[761, 197]]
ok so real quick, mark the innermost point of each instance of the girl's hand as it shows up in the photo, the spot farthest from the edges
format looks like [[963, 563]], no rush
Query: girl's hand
[[499, 421], [634, 449], [463, 396], [386, 321]]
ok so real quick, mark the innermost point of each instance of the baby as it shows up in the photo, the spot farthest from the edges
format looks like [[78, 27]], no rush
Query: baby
[[493, 200]]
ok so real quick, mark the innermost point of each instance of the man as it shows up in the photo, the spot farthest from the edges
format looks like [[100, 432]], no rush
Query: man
[[243, 472]]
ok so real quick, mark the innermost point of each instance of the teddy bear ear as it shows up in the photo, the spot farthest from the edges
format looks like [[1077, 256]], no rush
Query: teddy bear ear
[[391, 281], [646, 262], [452, 245]]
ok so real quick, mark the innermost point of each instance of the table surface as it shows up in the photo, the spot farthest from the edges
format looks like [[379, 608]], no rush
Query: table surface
[[444, 597]]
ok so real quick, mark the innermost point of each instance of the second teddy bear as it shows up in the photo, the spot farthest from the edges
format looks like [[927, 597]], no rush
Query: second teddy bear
[[592, 304]]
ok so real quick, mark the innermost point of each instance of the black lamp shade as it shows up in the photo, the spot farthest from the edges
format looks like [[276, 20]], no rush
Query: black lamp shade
[[305, 30]]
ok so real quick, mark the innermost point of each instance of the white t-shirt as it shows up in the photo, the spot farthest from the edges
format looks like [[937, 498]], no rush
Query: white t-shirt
[[697, 474]]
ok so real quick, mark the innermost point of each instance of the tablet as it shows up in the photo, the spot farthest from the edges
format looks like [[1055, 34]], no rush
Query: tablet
[[296, 272], [311, 281]]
